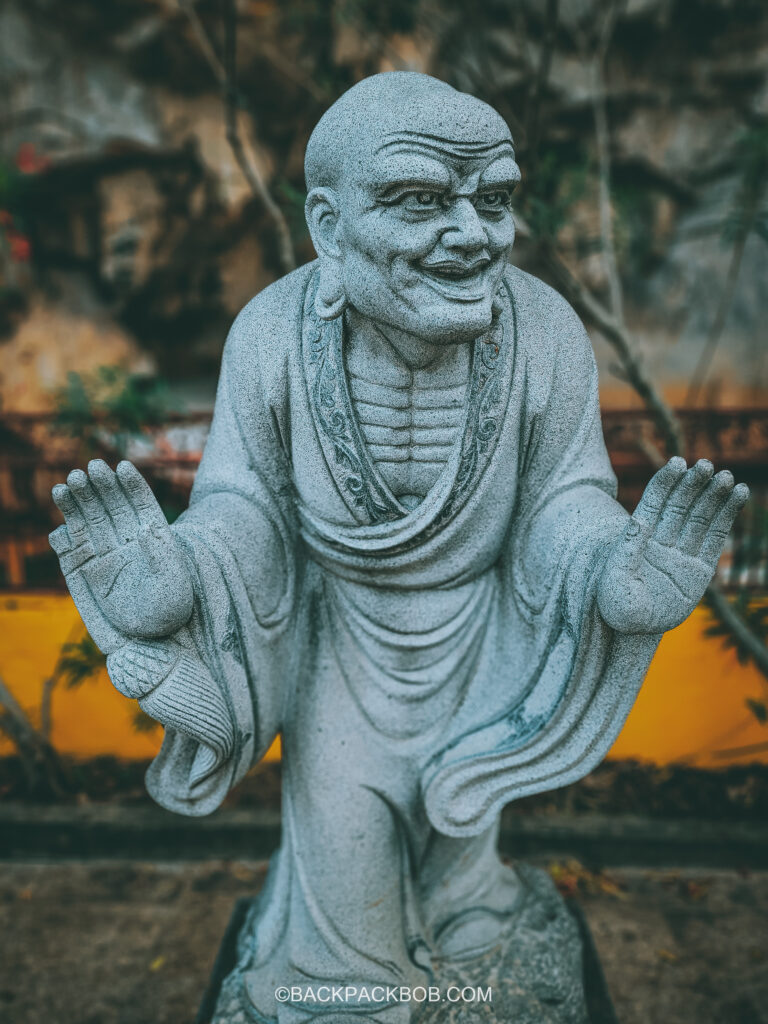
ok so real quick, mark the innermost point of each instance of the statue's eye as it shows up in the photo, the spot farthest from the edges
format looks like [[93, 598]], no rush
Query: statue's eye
[[422, 200], [498, 200]]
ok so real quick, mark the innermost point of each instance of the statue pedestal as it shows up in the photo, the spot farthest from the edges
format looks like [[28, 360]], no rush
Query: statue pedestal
[[537, 976]]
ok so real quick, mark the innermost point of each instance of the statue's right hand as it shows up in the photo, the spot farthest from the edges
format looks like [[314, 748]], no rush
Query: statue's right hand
[[123, 566]]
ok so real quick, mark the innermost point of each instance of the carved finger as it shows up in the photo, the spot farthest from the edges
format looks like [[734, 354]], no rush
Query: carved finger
[[703, 512], [680, 500], [141, 497], [73, 517], [70, 557], [60, 540], [121, 512], [103, 633], [658, 490], [717, 534], [100, 530]]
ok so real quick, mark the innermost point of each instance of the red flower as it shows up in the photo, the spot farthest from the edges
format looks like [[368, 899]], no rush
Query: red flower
[[28, 161], [21, 250], [6, 219]]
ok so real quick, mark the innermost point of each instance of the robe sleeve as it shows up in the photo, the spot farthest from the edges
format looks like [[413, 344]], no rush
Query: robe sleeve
[[582, 678], [217, 686]]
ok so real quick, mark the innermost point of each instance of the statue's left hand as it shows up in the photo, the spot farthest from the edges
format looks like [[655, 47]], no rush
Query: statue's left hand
[[657, 571]]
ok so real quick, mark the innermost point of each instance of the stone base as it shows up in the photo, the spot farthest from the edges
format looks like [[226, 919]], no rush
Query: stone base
[[546, 971]]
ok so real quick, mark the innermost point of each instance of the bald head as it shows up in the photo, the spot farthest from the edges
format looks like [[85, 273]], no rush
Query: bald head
[[409, 207], [397, 107]]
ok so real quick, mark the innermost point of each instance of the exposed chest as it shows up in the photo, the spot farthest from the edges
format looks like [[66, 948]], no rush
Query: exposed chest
[[410, 426]]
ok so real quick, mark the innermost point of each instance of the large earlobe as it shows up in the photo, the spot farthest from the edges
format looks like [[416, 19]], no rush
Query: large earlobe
[[330, 297]]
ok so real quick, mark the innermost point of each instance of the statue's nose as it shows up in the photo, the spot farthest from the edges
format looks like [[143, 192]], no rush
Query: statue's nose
[[466, 231]]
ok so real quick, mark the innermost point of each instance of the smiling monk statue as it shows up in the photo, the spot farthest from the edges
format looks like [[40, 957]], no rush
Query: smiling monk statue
[[403, 553]]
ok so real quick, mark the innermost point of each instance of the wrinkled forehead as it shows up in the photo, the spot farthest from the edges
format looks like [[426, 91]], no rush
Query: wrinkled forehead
[[440, 114], [443, 125], [401, 113], [410, 156], [437, 145]]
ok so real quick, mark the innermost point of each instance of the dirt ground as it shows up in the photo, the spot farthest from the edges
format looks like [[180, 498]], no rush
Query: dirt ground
[[133, 943]]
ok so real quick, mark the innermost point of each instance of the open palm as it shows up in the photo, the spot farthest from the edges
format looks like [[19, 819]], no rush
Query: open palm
[[657, 571], [123, 566]]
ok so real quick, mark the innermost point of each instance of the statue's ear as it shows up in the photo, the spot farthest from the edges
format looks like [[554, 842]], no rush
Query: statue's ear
[[322, 213]]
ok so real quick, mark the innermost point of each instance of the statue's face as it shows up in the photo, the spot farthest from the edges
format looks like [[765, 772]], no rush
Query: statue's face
[[425, 228]]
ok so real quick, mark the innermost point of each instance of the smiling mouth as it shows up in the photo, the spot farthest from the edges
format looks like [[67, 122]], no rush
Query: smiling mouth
[[456, 280]]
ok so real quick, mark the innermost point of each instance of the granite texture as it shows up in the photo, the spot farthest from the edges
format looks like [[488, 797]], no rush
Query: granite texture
[[533, 975], [402, 552]]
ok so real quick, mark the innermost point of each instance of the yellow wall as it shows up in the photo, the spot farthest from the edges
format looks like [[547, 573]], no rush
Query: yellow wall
[[90, 720], [691, 706]]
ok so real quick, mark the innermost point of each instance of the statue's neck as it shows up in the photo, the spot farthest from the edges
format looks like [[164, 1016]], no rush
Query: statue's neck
[[399, 360], [406, 349]]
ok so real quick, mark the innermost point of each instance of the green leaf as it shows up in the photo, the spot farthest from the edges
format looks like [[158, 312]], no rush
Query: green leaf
[[753, 609], [110, 401], [79, 662], [142, 722], [758, 709]]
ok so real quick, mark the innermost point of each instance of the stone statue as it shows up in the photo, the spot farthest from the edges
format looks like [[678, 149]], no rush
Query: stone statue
[[403, 553]]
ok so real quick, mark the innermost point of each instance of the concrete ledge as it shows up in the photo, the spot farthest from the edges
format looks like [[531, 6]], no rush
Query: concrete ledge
[[103, 831], [633, 841]]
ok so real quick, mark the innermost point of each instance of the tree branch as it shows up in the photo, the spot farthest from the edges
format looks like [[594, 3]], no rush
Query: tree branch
[[203, 40], [36, 753], [248, 167], [602, 138], [45, 707], [740, 630], [618, 336], [225, 72], [533, 113], [701, 369], [16, 712], [613, 326], [610, 321]]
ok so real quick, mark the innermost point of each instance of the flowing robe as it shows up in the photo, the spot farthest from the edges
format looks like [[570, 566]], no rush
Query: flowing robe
[[425, 667]]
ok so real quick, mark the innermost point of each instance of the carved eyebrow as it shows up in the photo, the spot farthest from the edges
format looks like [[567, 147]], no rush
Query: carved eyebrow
[[437, 144], [389, 192], [427, 184], [502, 173], [502, 185], [391, 173]]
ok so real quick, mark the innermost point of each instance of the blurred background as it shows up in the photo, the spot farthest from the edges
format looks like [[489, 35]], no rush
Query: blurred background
[[151, 182]]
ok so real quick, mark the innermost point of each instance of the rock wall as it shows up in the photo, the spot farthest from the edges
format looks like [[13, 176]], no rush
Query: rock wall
[[129, 234]]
